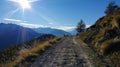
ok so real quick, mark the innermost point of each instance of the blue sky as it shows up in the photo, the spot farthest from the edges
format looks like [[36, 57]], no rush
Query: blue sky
[[61, 14]]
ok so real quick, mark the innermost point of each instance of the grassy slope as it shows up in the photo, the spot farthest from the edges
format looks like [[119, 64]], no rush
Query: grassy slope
[[104, 38], [23, 54]]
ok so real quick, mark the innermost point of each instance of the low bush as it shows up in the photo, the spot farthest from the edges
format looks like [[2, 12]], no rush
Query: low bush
[[114, 59], [110, 46]]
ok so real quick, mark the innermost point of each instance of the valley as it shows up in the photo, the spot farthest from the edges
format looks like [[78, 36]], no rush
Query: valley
[[60, 33]]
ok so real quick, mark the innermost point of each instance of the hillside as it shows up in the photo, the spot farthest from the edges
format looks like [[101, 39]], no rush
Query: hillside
[[55, 32], [15, 55], [11, 34], [104, 37]]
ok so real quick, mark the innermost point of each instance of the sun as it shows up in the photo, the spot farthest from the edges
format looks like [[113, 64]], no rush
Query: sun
[[25, 4]]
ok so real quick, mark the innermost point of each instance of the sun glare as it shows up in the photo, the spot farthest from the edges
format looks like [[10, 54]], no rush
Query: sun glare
[[25, 4]]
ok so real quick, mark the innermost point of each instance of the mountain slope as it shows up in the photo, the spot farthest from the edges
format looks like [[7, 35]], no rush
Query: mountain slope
[[106, 28], [26, 52], [73, 32], [104, 37], [11, 34], [55, 32]]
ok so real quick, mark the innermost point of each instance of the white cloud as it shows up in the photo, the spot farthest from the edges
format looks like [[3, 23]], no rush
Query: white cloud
[[11, 20], [22, 23], [34, 0], [88, 26], [66, 28], [69, 28], [30, 25], [28, 0]]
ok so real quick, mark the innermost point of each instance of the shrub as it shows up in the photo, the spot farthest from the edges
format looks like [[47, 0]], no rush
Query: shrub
[[8, 54], [115, 59], [110, 46]]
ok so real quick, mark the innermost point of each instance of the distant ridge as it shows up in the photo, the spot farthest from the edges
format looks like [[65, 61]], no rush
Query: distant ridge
[[55, 32], [12, 34]]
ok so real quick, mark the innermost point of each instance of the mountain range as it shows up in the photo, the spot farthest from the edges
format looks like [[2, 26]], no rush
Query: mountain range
[[55, 32], [12, 34], [73, 32]]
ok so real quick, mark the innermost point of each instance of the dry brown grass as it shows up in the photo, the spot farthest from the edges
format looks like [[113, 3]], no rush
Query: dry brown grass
[[25, 52], [82, 36], [106, 37], [115, 59], [110, 46]]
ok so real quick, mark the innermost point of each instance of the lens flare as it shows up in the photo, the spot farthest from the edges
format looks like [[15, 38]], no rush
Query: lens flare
[[25, 4]]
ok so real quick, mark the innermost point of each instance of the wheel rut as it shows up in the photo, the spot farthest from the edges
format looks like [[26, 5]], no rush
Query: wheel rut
[[65, 53]]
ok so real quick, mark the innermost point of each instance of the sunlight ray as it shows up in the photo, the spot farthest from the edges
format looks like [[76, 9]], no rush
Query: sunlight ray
[[24, 4], [11, 13], [48, 19]]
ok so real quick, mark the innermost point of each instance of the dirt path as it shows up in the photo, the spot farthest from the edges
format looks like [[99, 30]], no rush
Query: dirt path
[[66, 53]]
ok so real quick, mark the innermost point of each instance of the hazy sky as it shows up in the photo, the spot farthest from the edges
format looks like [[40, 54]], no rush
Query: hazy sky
[[62, 14]]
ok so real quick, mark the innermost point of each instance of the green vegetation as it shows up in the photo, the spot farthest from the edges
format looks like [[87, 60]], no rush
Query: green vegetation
[[104, 37], [8, 54], [81, 26], [111, 8]]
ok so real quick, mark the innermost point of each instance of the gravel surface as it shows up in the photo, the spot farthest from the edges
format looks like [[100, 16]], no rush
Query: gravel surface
[[66, 53]]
